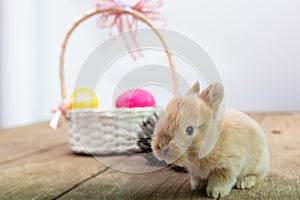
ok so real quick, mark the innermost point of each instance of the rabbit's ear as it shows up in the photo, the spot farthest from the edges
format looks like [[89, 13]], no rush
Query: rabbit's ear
[[195, 89], [213, 95]]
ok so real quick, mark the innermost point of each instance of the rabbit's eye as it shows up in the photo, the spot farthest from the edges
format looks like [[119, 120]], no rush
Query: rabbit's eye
[[189, 130]]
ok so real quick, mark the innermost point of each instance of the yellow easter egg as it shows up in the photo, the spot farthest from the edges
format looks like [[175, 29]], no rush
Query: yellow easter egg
[[84, 98]]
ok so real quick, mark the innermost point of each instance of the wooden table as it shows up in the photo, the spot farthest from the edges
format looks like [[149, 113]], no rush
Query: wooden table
[[36, 163]]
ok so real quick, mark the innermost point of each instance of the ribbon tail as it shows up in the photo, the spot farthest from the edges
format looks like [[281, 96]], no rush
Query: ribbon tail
[[137, 46], [55, 120], [128, 47], [132, 28]]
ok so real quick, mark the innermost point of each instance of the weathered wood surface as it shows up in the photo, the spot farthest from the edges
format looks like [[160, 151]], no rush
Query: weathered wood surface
[[36, 163], [21, 142]]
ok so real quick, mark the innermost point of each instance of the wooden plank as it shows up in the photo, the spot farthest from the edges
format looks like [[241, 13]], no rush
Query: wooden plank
[[115, 184], [273, 187], [19, 142], [283, 132], [49, 170], [48, 174], [172, 186]]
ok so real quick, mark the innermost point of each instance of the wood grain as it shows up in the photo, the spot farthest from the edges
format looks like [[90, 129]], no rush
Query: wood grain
[[283, 132], [36, 163], [46, 174], [20, 142], [116, 184]]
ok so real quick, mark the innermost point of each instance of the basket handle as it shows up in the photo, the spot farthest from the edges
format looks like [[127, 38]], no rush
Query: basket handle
[[93, 12]]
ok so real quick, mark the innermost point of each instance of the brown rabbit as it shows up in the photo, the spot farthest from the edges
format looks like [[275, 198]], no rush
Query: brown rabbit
[[238, 157]]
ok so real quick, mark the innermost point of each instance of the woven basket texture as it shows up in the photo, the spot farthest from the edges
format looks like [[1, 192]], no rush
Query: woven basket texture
[[106, 131]]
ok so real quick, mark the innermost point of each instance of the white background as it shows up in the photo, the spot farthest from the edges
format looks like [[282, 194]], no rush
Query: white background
[[254, 45]]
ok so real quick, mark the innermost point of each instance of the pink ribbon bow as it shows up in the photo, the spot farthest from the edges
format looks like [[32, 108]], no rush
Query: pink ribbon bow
[[59, 111], [117, 16]]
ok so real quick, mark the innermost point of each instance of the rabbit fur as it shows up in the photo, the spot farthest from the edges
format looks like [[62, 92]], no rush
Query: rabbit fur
[[239, 156]]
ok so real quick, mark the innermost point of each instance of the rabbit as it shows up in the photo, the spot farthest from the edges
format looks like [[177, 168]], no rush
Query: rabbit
[[239, 157]]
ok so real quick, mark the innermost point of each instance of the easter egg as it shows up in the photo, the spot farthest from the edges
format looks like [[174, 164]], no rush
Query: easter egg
[[84, 98], [135, 98]]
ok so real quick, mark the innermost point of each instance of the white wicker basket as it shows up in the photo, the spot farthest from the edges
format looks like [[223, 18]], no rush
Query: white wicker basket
[[110, 131], [113, 130]]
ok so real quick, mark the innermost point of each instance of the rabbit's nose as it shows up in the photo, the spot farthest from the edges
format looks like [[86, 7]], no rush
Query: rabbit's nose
[[160, 142], [161, 146], [158, 147], [165, 150]]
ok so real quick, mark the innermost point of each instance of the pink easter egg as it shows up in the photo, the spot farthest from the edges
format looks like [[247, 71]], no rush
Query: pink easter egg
[[135, 98]]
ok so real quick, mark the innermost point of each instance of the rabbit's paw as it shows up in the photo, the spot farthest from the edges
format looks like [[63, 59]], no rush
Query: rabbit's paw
[[246, 182], [217, 191]]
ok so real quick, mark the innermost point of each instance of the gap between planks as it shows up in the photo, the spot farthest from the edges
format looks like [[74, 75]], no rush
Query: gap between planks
[[121, 184], [76, 185], [47, 174]]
